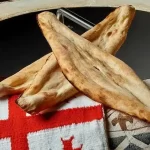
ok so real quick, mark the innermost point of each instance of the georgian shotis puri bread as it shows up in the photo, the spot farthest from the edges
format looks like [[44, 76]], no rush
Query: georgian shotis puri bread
[[93, 71], [43, 80], [50, 87]]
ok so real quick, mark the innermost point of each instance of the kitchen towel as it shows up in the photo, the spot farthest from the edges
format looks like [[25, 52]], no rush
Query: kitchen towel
[[77, 125]]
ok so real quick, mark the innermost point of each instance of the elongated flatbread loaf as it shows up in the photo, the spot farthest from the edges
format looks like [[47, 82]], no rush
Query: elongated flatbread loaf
[[45, 74], [95, 72], [23, 79], [50, 86]]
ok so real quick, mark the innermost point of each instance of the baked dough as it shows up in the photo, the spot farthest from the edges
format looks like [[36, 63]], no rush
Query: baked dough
[[45, 76], [93, 71]]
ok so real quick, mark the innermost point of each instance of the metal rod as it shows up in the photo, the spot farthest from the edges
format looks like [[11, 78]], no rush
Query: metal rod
[[63, 12]]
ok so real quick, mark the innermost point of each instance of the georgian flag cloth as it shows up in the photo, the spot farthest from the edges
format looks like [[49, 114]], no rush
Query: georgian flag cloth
[[78, 125]]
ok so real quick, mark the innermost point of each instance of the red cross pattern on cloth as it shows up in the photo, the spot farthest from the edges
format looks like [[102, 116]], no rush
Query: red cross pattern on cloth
[[68, 144], [18, 125]]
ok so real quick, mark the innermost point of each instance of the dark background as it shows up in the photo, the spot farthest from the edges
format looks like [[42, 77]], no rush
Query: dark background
[[21, 41]]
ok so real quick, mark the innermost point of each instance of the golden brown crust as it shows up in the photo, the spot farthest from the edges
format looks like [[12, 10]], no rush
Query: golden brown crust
[[45, 75], [117, 25], [22, 79], [56, 80], [95, 72]]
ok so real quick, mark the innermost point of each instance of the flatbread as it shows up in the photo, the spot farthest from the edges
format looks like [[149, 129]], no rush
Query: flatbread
[[93, 71], [23, 79], [20, 81], [50, 86]]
